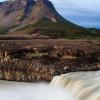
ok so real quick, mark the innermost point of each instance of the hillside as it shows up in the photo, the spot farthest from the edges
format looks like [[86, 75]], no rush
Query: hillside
[[38, 18]]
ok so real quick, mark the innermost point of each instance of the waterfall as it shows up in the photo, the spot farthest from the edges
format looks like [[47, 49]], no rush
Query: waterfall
[[83, 85], [71, 86]]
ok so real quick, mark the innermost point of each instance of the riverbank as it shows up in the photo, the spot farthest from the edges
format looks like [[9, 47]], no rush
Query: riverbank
[[42, 59], [71, 86]]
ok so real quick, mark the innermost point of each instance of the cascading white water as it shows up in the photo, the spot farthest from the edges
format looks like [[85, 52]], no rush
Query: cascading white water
[[83, 85], [72, 86]]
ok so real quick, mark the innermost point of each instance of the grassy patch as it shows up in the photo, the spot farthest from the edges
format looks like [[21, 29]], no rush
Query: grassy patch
[[62, 30], [3, 30], [65, 30], [27, 27], [35, 55]]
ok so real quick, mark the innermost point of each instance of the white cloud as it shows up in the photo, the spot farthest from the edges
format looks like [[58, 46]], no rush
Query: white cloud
[[87, 11]]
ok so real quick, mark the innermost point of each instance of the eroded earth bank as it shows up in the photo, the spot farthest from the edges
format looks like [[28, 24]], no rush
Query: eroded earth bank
[[41, 59]]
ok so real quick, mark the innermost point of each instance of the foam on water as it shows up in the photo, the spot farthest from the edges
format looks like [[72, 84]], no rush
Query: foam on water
[[72, 86], [83, 85], [31, 91]]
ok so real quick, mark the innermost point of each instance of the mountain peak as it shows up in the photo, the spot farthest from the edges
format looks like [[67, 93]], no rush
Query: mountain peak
[[29, 6], [44, 9], [41, 0], [28, 12]]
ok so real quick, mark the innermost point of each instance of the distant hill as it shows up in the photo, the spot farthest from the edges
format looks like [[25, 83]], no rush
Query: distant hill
[[38, 18]]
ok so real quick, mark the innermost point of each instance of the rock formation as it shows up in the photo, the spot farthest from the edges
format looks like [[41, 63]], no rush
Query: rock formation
[[20, 12]]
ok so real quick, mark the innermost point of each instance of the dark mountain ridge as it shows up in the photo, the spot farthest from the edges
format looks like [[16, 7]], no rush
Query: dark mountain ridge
[[29, 6]]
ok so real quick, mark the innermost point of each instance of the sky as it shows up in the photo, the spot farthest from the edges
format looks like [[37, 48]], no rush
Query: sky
[[82, 12]]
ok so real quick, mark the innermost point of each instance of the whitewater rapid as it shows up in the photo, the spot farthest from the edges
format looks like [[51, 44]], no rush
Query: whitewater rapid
[[83, 85], [72, 86]]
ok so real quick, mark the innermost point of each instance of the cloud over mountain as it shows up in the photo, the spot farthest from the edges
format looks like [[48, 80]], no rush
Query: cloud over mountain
[[82, 12]]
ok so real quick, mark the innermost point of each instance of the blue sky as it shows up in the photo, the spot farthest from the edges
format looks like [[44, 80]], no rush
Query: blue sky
[[82, 12]]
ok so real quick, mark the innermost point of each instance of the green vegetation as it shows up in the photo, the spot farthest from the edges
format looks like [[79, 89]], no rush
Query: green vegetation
[[3, 30], [65, 30], [62, 30], [27, 27]]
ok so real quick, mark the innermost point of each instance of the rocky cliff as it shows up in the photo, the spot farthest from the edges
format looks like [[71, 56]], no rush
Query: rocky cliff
[[31, 10]]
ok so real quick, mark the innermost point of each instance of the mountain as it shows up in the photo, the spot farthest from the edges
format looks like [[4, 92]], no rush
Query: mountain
[[27, 11], [10, 11], [38, 17], [11, 6], [45, 9], [28, 7]]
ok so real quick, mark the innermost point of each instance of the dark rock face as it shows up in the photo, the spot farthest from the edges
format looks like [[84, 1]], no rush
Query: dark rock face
[[52, 8], [47, 10], [29, 6], [1, 3], [47, 3]]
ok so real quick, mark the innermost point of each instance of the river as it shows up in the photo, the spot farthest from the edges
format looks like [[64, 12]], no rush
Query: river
[[31, 91], [72, 86]]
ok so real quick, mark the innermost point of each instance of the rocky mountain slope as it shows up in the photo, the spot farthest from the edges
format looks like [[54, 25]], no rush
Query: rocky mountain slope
[[29, 17], [27, 11], [10, 11], [44, 9]]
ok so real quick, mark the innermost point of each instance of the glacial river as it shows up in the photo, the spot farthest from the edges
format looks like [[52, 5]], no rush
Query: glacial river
[[72, 86]]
